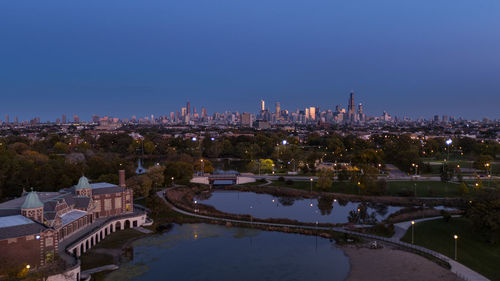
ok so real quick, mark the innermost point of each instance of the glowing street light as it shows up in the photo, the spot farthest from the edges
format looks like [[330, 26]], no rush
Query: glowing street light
[[311, 183], [413, 232], [456, 239], [284, 142], [28, 266]]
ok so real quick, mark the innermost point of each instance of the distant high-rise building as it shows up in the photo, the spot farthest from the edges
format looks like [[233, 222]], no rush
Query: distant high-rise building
[[262, 105], [64, 119], [95, 118], [350, 108], [278, 111], [7, 119], [203, 113], [16, 120], [76, 119], [188, 108], [246, 119], [312, 113]]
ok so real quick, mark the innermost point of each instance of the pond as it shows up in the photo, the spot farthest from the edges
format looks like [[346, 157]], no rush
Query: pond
[[212, 252], [322, 210]]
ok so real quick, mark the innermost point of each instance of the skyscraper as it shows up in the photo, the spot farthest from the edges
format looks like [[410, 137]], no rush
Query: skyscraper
[[64, 118], [188, 108], [7, 119], [278, 111], [262, 105], [350, 108]]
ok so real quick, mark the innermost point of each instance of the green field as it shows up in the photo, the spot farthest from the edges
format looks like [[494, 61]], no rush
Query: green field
[[394, 188], [437, 235]]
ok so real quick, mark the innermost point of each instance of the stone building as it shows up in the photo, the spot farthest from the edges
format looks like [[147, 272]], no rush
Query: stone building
[[33, 225]]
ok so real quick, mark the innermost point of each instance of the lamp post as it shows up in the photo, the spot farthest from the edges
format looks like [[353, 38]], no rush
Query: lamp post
[[172, 178], [448, 143], [202, 167], [456, 239], [311, 184], [488, 172], [413, 232], [195, 206]]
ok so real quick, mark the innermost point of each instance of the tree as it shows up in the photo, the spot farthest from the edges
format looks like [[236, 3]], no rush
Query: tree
[[484, 212], [464, 189], [207, 166], [181, 171], [140, 184], [156, 174], [482, 161], [61, 148], [446, 173], [325, 179]]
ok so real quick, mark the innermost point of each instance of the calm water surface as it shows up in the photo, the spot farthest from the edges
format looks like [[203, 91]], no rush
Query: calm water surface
[[213, 252], [322, 210]]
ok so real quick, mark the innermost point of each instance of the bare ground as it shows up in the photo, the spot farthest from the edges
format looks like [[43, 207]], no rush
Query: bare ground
[[387, 264]]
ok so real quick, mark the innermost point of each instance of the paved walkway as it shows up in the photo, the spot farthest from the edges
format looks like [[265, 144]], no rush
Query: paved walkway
[[400, 228], [460, 270], [99, 269]]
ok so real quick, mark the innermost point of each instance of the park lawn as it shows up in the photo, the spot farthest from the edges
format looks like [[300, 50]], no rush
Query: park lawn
[[437, 235], [91, 260], [394, 188], [424, 188]]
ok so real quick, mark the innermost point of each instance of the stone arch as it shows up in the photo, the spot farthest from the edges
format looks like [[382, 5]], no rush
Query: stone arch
[[134, 224], [127, 224], [118, 225], [82, 250]]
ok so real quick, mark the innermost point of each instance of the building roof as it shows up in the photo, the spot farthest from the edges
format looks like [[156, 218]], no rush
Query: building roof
[[102, 185], [32, 201], [14, 220], [108, 190], [18, 202], [71, 216], [83, 183], [21, 230]]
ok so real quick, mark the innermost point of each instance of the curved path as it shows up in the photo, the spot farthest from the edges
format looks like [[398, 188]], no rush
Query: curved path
[[459, 269]]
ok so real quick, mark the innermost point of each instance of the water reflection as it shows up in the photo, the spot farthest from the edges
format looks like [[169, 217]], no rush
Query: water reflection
[[325, 209], [212, 252]]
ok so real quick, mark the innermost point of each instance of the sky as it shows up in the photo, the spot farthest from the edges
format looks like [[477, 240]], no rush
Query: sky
[[129, 57]]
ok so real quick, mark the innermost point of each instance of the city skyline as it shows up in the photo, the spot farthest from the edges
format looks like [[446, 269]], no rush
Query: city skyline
[[431, 62]]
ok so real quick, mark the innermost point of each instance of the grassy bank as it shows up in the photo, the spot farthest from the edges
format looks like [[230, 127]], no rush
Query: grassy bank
[[437, 235], [394, 188]]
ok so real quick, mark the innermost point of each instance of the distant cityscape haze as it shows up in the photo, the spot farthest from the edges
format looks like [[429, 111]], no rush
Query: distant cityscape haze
[[124, 58]]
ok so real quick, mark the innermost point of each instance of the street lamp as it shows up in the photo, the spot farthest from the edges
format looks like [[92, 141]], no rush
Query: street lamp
[[202, 167], [448, 143], [311, 183], [172, 178], [413, 232], [195, 206], [456, 238]]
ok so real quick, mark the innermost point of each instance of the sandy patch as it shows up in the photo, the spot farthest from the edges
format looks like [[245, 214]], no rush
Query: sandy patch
[[390, 264]]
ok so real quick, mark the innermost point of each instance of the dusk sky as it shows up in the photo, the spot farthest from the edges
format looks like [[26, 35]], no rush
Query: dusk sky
[[129, 57]]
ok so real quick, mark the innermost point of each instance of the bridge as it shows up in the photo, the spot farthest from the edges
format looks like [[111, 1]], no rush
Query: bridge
[[226, 179]]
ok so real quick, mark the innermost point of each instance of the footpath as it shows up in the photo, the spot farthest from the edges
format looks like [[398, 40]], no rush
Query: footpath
[[459, 269]]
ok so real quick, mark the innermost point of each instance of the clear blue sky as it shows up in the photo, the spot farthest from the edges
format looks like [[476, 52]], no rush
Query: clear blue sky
[[126, 57]]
